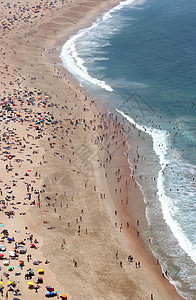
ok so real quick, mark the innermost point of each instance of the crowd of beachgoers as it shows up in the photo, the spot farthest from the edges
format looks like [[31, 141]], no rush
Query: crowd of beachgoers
[[62, 235]]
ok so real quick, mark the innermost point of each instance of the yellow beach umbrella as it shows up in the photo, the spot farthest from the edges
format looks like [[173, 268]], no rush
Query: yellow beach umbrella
[[9, 283], [1, 282], [41, 271], [30, 283]]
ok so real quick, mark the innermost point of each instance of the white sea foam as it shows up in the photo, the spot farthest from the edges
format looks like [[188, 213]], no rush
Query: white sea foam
[[69, 54], [75, 64], [160, 146]]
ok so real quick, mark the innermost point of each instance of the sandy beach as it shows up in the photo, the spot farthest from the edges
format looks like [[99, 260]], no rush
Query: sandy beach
[[64, 197]]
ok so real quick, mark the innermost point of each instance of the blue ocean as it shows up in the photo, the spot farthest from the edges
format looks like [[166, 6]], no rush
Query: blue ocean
[[139, 59]]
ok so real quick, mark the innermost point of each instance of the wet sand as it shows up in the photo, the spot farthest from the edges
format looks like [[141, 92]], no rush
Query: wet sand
[[64, 182]]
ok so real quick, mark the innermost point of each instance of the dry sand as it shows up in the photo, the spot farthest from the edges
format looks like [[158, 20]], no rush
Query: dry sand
[[73, 201]]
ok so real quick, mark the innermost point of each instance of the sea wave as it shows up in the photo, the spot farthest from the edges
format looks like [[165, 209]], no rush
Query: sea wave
[[160, 146], [75, 64], [69, 54]]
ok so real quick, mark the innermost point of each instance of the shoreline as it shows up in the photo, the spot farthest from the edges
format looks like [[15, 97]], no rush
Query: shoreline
[[140, 198], [169, 287], [123, 212]]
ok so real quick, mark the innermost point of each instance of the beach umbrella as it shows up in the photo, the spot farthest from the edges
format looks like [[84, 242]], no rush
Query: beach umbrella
[[10, 268], [21, 263], [9, 239], [40, 280], [64, 297], [30, 283], [49, 288], [6, 262], [9, 283], [41, 271], [23, 250], [12, 253], [35, 261], [50, 294], [1, 255]]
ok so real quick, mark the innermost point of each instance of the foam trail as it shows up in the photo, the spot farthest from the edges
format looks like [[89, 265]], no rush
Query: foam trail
[[74, 63], [159, 138]]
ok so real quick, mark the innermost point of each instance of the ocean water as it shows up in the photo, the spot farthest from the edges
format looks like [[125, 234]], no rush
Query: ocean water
[[139, 58]]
